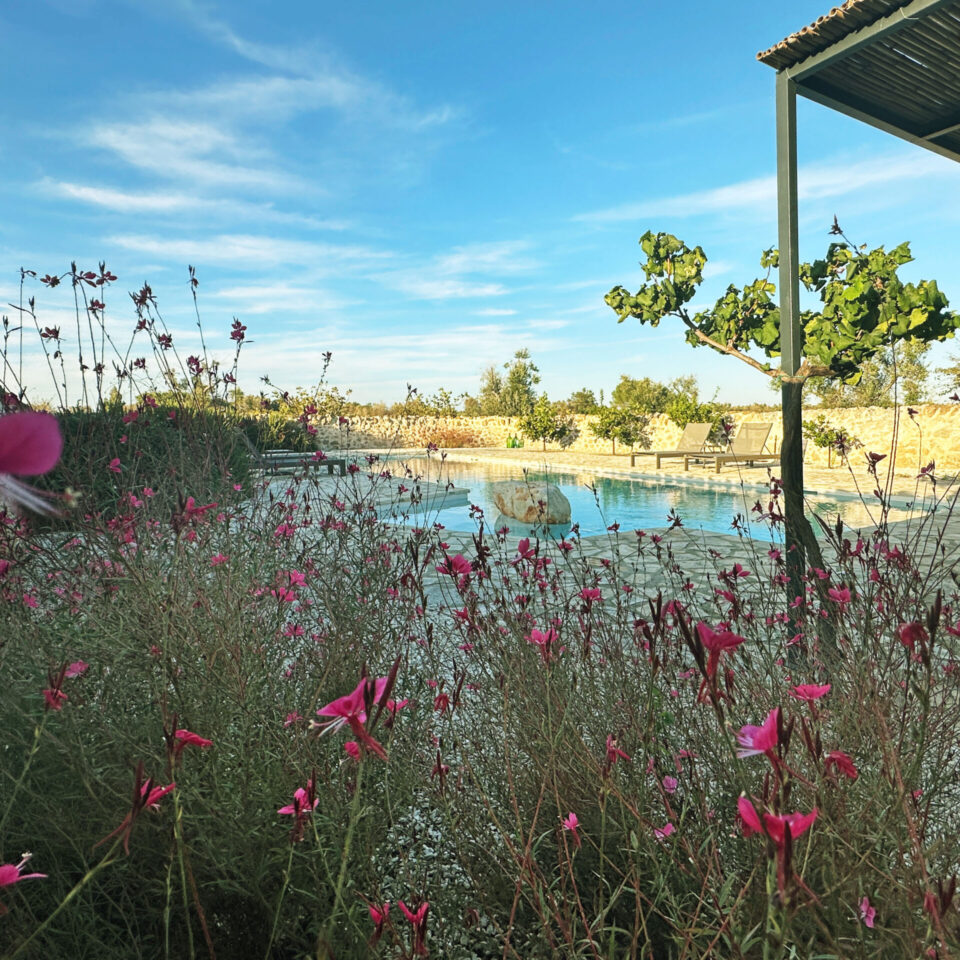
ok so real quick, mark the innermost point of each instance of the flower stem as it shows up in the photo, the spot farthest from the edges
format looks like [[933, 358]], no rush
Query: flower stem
[[81, 883], [323, 940], [276, 914]]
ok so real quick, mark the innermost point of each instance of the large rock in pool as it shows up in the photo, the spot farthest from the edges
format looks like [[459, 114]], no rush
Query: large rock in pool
[[531, 502]]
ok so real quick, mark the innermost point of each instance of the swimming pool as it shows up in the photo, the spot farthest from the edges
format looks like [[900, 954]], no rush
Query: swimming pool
[[598, 502]]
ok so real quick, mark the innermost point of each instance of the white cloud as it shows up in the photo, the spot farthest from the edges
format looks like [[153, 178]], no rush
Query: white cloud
[[266, 298], [495, 312], [249, 249], [436, 288], [819, 181], [160, 202]]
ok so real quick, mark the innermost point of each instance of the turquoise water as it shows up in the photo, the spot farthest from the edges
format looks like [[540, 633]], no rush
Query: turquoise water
[[598, 502]]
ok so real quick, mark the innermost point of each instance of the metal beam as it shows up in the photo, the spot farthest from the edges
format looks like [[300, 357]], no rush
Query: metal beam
[[945, 126], [818, 96], [791, 334], [883, 28]]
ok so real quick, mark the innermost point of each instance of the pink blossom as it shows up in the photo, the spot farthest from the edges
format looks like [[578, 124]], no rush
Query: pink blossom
[[457, 566], [185, 738], [418, 918], [30, 444], [571, 822], [810, 691], [76, 669], [54, 698], [763, 739], [379, 916], [304, 803], [11, 873], [867, 913], [217, 559], [839, 595], [911, 634], [661, 833], [114, 465], [352, 710], [614, 753], [774, 825], [292, 718], [670, 784], [544, 640], [353, 749], [843, 763]]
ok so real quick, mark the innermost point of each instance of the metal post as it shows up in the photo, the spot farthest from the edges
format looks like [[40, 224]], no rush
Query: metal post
[[791, 333]]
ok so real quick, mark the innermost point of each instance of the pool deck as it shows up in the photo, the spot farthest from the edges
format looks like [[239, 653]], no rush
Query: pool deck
[[699, 554]]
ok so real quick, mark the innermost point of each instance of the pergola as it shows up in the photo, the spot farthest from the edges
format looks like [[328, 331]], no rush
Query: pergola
[[894, 64]]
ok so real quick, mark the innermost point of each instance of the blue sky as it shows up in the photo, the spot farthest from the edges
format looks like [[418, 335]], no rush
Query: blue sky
[[424, 187]]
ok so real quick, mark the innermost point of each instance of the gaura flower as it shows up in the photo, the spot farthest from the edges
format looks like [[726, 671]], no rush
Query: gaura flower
[[418, 918], [30, 444], [773, 825], [911, 634], [304, 802], [146, 796], [11, 873], [571, 822], [843, 763], [379, 916], [867, 913], [763, 739], [185, 738], [661, 833], [810, 691], [351, 710]]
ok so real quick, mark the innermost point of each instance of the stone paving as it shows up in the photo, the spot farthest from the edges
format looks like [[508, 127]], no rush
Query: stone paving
[[699, 554]]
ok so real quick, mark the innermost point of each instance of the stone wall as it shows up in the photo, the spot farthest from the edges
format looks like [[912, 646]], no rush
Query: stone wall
[[934, 434]]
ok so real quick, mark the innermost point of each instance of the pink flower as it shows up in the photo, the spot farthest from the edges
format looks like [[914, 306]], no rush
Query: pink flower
[[670, 784], [590, 595], [76, 669], [30, 444], [353, 749], [418, 918], [458, 566], [571, 822], [843, 763], [54, 698], [867, 913], [114, 465], [774, 825], [291, 719], [304, 802], [146, 796], [756, 740], [614, 753], [217, 559], [839, 595], [10, 873], [185, 738], [352, 710], [379, 917], [661, 833], [911, 634], [544, 640], [715, 642], [810, 691]]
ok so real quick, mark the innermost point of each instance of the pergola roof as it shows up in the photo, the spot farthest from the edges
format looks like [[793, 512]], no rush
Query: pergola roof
[[894, 64]]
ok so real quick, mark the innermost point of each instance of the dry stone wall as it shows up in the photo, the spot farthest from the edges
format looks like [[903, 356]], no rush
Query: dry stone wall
[[933, 434]]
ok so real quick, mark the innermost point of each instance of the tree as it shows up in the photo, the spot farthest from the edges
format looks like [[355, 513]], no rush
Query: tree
[[471, 406], [544, 423], [615, 423], [489, 399], [582, 401], [864, 309], [642, 396], [517, 396]]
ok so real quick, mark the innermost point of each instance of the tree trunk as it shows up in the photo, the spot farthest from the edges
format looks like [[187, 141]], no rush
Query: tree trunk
[[801, 542]]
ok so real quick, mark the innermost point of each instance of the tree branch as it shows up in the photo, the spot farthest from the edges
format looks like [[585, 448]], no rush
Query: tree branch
[[724, 348]]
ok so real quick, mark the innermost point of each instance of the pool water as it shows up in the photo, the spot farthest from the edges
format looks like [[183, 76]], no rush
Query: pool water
[[598, 502]]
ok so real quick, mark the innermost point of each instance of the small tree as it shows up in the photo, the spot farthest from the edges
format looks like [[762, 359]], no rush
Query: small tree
[[642, 396], [582, 402], [865, 308], [615, 424], [518, 397], [544, 423], [490, 398]]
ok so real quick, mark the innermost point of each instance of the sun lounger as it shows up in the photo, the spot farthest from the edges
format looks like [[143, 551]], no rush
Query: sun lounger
[[692, 440], [746, 448]]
